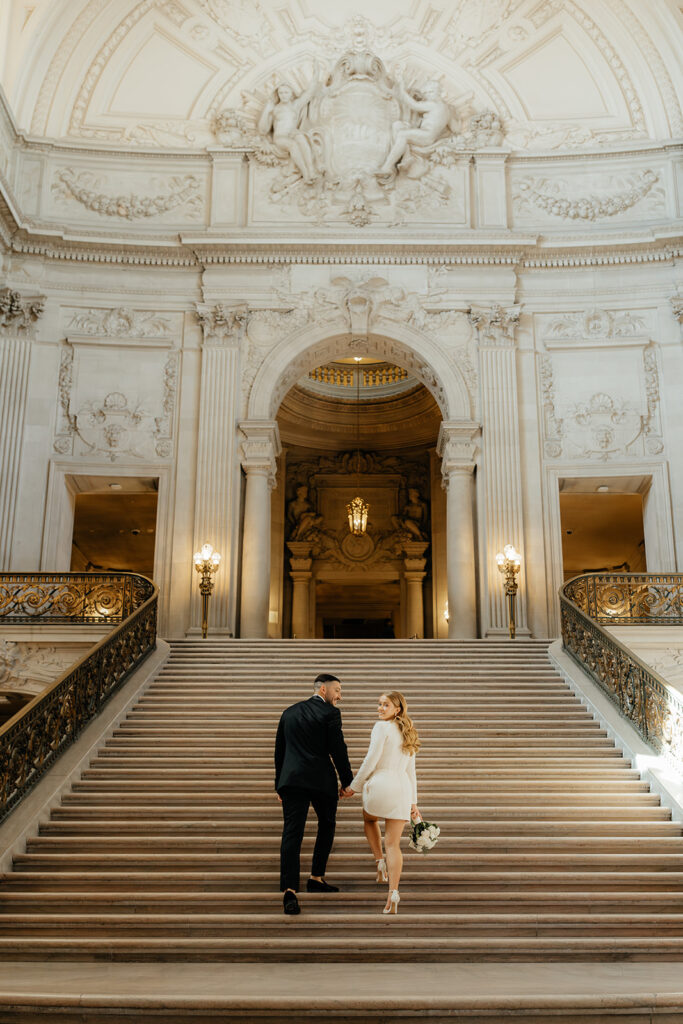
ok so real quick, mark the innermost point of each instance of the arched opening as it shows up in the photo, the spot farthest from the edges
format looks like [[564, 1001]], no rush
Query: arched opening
[[332, 416]]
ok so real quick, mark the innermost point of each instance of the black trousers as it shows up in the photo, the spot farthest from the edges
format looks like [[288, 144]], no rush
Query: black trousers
[[295, 805]]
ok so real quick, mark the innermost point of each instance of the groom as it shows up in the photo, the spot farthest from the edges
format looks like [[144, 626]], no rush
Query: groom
[[309, 734]]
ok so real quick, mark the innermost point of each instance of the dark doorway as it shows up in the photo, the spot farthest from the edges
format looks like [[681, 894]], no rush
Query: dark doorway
[[114, 529], [358, 629]]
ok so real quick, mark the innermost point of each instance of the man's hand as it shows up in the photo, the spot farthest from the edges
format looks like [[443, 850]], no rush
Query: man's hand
[[279, 797], [346, 792]]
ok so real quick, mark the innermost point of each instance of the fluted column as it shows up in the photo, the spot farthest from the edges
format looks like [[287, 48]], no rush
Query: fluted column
[[17, 317], [501, 461], [457, 448], [217, 495], [259, 449]]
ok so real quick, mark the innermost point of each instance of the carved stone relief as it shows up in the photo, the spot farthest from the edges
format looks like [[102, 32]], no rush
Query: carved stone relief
[[596, 323], [558, 198], [606, 425], [116, 425], [118, 323], [402, 519], [179, 192], [27, 668], [356, 140], [18, 313]]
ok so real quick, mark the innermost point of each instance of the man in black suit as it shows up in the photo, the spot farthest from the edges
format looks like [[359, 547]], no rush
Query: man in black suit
[[308, 736]]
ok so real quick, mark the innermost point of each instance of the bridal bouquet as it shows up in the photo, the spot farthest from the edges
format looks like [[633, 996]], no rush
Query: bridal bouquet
[[423, 836]]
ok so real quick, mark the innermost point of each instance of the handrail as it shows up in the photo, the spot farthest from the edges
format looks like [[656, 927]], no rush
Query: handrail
[[40, 732], [589, 602]]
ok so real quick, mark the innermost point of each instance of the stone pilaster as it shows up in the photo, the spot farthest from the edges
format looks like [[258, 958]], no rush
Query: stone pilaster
[[501, 492], [217, 496], [300, 565], [259, 448], [414, 574], [457, 446], [18, 316]]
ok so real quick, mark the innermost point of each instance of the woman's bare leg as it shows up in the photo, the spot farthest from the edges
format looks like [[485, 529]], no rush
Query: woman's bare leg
[[393, 830], [373, 834]]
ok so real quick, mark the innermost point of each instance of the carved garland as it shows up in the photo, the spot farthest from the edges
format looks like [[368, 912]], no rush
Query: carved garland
[[181, 191], [546, 196]]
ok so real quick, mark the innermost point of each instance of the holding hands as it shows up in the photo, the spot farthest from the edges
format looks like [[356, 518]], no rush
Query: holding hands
[[346, 792]]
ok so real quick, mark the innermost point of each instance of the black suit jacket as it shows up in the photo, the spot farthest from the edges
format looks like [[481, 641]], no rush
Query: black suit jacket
[[309, 734]]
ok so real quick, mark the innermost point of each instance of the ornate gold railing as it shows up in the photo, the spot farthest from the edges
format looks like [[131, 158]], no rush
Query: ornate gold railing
[[589, 602], [36, 736]]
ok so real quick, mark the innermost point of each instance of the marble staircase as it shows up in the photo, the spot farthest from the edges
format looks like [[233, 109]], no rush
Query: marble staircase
[[552, 847]]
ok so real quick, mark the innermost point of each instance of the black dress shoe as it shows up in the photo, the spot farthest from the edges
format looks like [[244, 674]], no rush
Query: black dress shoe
[[290, 903], [314, 886]]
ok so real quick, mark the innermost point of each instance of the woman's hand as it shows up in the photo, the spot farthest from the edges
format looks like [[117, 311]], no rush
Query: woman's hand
[[415, 813]]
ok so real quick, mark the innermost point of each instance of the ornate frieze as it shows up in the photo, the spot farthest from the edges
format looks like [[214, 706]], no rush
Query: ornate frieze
[[596, 324], [556, 197], [85, 188], [19, 313], [119, 322]]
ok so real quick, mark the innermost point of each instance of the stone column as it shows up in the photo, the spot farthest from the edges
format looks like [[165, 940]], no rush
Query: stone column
[[17, 317], [501, 463], [217, 490], [457, 448], [414, 574], [259, 449], [300, 572]]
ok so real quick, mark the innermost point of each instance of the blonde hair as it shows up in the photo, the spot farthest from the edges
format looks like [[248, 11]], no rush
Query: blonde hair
[[411, 741]]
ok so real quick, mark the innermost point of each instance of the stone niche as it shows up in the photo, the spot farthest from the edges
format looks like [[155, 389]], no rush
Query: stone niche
[[376, 579]]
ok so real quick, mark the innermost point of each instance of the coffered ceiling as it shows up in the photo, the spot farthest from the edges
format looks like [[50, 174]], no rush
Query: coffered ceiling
[[560, 73]]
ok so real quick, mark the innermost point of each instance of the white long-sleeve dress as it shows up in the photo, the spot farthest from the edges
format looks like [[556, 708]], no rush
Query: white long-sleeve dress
[[387, 775]]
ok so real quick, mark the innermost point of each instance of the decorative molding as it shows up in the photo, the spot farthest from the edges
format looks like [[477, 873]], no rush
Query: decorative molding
[[495, 325], [18, 313], [677, 305], [605, 426], [117, 426], [223, 325], [119, 322], [177, 191], [550, 195]]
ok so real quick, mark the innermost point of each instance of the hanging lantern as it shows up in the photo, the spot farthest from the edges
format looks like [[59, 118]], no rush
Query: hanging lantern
[[357, 510], [358, 515]]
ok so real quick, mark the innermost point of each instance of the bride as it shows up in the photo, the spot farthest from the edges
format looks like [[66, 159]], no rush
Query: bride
[[387, 779]]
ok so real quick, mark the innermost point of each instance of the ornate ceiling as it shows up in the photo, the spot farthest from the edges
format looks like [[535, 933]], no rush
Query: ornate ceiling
[[558, 73]]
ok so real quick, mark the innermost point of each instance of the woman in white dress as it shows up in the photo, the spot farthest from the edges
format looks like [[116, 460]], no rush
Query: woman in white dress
[[389, 784]]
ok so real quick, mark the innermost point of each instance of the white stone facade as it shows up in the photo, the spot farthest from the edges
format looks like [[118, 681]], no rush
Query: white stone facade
[[164, 281]]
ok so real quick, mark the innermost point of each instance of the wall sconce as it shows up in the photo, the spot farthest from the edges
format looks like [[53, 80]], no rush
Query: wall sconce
[[509, 562], [206, 563]]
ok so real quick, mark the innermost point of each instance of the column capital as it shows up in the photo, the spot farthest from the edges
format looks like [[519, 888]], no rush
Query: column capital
[[457, 446], [677, 305], [260, 447], [495, 324], [223, 325], [18, 313]]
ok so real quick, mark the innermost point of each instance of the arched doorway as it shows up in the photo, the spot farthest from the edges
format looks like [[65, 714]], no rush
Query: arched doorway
[[261, 454]]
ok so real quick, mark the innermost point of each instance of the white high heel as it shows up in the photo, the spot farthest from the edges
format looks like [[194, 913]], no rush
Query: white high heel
[[393, 906], [382, 870]]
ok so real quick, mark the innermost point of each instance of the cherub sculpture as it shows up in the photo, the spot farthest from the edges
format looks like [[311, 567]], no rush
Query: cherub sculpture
[[435, 121]]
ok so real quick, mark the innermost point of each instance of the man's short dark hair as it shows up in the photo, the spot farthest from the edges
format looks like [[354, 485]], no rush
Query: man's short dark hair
[[324, 678]]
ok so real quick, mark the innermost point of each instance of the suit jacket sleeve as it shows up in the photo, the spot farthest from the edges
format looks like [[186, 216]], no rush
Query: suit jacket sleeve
[[279, 751], [337, 748]]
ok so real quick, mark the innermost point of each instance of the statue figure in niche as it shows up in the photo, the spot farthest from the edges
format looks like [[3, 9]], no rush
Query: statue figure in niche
[[412, 523], [283, 115], [304, 522], [435, 121]]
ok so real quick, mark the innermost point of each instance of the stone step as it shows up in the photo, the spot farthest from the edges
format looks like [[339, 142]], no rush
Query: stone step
[[445, 882], [208, 827], [396, 948]]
